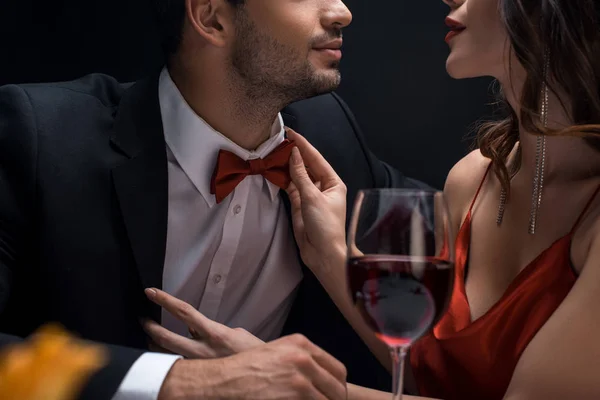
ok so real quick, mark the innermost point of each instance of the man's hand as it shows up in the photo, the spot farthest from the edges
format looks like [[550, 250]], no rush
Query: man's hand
[[209, 338], [291, 368], [288, 368], [318, 209]]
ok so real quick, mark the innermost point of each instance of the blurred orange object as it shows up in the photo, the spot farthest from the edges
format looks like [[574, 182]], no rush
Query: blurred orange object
[[51, 365]]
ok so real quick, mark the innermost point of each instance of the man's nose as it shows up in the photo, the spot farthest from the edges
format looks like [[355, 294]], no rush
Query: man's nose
[[337, 15]]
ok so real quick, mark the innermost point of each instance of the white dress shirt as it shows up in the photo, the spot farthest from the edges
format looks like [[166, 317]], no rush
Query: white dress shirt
[[235, 261]]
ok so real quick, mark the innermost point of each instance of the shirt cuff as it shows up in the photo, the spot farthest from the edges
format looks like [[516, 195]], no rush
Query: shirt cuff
[[145, 377]]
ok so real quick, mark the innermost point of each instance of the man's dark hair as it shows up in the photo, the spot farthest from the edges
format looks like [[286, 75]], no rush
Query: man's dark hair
[[170, 15]]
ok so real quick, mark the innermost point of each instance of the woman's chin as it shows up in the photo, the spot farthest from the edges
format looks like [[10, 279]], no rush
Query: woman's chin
[[455, 75], [459, 70]]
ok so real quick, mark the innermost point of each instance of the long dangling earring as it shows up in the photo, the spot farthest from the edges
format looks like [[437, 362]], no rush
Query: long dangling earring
[[540, 164]]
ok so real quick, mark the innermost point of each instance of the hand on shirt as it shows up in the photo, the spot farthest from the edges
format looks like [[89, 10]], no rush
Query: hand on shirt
[[291, 367], [209, 338], [318, 209], [288, 368]]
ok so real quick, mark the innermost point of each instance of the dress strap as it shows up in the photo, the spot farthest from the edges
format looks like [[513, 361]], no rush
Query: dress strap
[[487, 171], [585, 210]]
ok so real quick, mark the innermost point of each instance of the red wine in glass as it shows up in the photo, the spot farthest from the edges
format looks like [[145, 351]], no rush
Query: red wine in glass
[[400, 297], [400, 266]]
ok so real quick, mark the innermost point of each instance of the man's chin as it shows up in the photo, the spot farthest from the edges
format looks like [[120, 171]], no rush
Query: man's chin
[[328, 81], [321, 82]]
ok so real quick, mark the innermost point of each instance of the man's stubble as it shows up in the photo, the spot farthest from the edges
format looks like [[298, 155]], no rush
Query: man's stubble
[[271, 72]]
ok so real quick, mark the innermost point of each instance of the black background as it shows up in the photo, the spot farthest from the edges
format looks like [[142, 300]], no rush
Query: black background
[[414, 116]]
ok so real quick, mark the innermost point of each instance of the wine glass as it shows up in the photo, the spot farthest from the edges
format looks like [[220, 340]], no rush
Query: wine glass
[[400, 266]]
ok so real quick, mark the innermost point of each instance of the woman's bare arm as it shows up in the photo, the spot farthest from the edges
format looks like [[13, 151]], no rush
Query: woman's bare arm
[[563, 360], [361, 393]]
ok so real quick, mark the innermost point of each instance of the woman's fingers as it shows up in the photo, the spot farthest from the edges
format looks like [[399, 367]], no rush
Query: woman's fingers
[[181, 310], [175, 343], [320, 169], [304, 185], [296, 203]]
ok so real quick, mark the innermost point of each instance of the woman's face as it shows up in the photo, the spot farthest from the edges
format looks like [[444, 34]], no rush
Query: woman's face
[[478, 40]]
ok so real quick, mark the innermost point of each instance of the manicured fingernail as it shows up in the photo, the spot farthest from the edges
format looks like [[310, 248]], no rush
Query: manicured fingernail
[[296, 157], [151, 293]]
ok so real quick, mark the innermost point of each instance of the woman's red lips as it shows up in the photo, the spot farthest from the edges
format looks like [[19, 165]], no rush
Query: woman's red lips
[[455, 28], [454, 24]]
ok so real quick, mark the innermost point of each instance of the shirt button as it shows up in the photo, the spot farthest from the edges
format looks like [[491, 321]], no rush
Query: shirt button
[[217, 279], [237, 209]]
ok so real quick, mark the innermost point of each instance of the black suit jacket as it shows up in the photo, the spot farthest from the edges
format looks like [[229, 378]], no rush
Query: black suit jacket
[[83, 216]]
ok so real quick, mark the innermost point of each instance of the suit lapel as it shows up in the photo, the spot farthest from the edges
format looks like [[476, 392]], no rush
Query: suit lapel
[[141, 182], [289, 120]]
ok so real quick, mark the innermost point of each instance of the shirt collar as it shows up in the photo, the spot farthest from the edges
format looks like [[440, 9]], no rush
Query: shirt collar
[[195, 144]]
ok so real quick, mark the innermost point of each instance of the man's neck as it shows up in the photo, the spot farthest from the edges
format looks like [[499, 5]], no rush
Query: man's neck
[[227, 109]]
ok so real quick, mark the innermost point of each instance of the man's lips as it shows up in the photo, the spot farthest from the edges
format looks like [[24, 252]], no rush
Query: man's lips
[[331, 49], [333, 44]]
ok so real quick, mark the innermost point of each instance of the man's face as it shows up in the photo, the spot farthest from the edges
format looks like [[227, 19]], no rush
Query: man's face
[[289, 48]]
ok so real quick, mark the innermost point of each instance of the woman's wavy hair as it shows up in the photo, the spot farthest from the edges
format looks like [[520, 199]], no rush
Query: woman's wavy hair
[[569, 32]]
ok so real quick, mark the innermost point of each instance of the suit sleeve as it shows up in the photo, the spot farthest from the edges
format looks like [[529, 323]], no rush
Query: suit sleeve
[[18, 165], [384, 175]]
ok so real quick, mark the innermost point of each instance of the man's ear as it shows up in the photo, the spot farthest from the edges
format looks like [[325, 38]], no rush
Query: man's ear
[[212, 19]]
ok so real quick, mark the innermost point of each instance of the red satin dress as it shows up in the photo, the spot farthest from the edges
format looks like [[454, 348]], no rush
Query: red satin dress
[[463, 359]]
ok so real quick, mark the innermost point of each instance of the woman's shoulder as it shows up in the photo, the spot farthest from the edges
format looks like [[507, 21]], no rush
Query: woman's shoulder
[[463, 181], [473, 165]]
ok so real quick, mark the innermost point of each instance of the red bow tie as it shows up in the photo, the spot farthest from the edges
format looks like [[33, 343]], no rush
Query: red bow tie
[[231, 170]]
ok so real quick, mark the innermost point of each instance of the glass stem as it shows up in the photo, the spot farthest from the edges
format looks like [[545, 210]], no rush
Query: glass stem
[[398, 356]]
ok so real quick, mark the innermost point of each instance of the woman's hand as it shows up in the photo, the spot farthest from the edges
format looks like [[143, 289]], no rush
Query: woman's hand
[[319, 217], [209, 338], [318, 207]]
